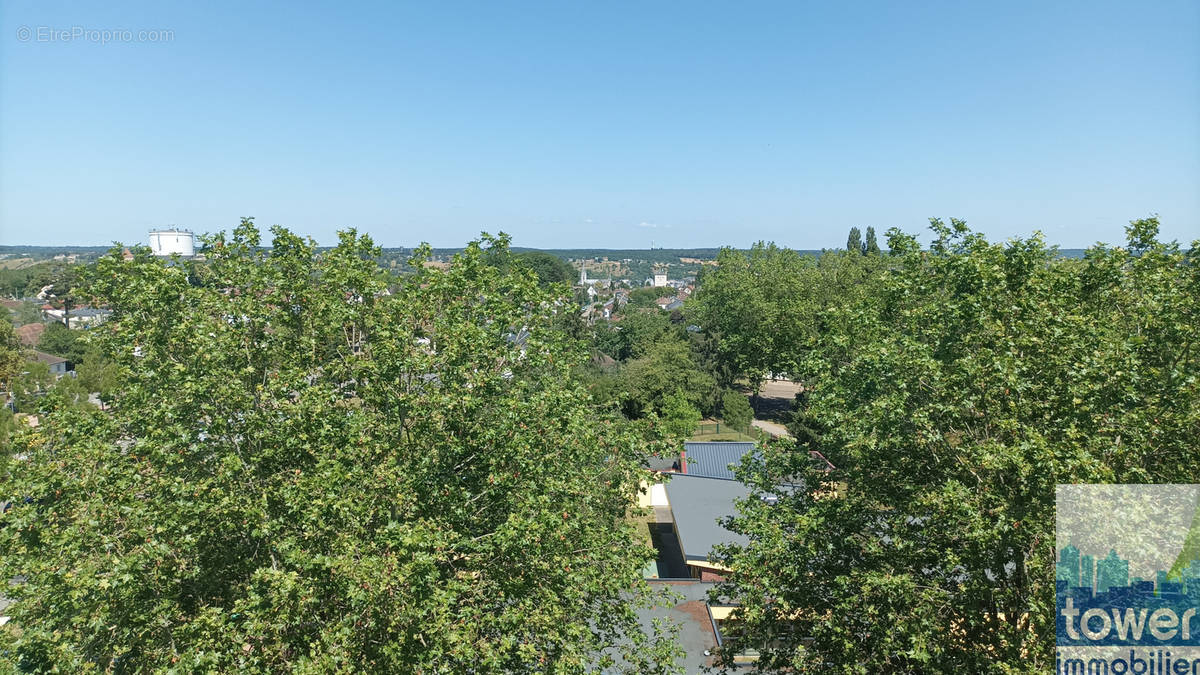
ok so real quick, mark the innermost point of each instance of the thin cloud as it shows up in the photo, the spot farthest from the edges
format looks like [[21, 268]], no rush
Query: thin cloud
[[654, 226]]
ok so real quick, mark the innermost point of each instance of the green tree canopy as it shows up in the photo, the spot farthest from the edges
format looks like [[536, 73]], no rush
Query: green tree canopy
[[762, 309], [98, 374], [640, 331], [549, 268], [644, 297], [871, 247], [666, 367], [16, 283], [27, 313], [736, 411], [62, 341], [952, 401], [301, 474], [30, 384], [679, 416], [854, 243], [12, 355]]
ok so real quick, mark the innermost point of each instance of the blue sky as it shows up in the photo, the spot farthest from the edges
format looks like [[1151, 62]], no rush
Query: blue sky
[[571, 124]]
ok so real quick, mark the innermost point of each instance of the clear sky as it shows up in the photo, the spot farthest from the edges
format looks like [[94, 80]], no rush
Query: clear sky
[[584, 123]]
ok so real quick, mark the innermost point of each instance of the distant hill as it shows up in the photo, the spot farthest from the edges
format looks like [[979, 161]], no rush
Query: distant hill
[[40, 252]]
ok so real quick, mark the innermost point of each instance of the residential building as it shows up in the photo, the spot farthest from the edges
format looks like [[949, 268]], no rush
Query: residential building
[[697, 505], [58, 365]]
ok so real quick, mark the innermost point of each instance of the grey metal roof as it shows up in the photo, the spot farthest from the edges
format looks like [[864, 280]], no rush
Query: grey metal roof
[[712, 459], [696, 505], [661, 463], [696, 633]]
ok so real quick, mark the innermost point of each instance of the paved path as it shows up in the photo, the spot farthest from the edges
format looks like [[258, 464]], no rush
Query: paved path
[[784, 389], [772, 429]]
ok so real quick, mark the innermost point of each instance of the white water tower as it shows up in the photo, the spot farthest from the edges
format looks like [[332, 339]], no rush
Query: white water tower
[[173, 241]]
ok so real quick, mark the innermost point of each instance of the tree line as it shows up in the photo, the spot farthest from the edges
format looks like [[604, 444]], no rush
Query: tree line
[[317, 465], [301, 472], [952, 387]]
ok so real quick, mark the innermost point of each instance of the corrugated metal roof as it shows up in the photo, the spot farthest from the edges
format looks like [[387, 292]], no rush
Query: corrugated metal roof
[[712, 459]]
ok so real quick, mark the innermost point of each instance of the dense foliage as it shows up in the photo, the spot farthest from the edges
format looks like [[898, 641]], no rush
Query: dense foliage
[[762, 309], [59, 340], [27, 313], [549, 269], [657, 368], [11, 355], [679, 417], [736, 411], [25, 281], [300, 473], [952, 399]]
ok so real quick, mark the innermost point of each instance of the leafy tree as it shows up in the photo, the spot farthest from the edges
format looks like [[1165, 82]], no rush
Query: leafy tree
[[8, 426], [62, 341], [27, 313], [736, 411], [301, 474], [30, 384], [99, 374], [854, 243], [749, 306], [952, 401], [643, 298], [11, 352], [14, 283], [59, 282], [762, 309], [550, 269], [679, 416], [605, 385], [69, 391], [871, 247], [640, 331], [634, 335], [609, 339], [666, 367]]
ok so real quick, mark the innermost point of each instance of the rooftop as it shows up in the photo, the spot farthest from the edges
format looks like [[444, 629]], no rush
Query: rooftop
[[30, 333], [690, 612], [712, 459], [48, 359], [697, 503]]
